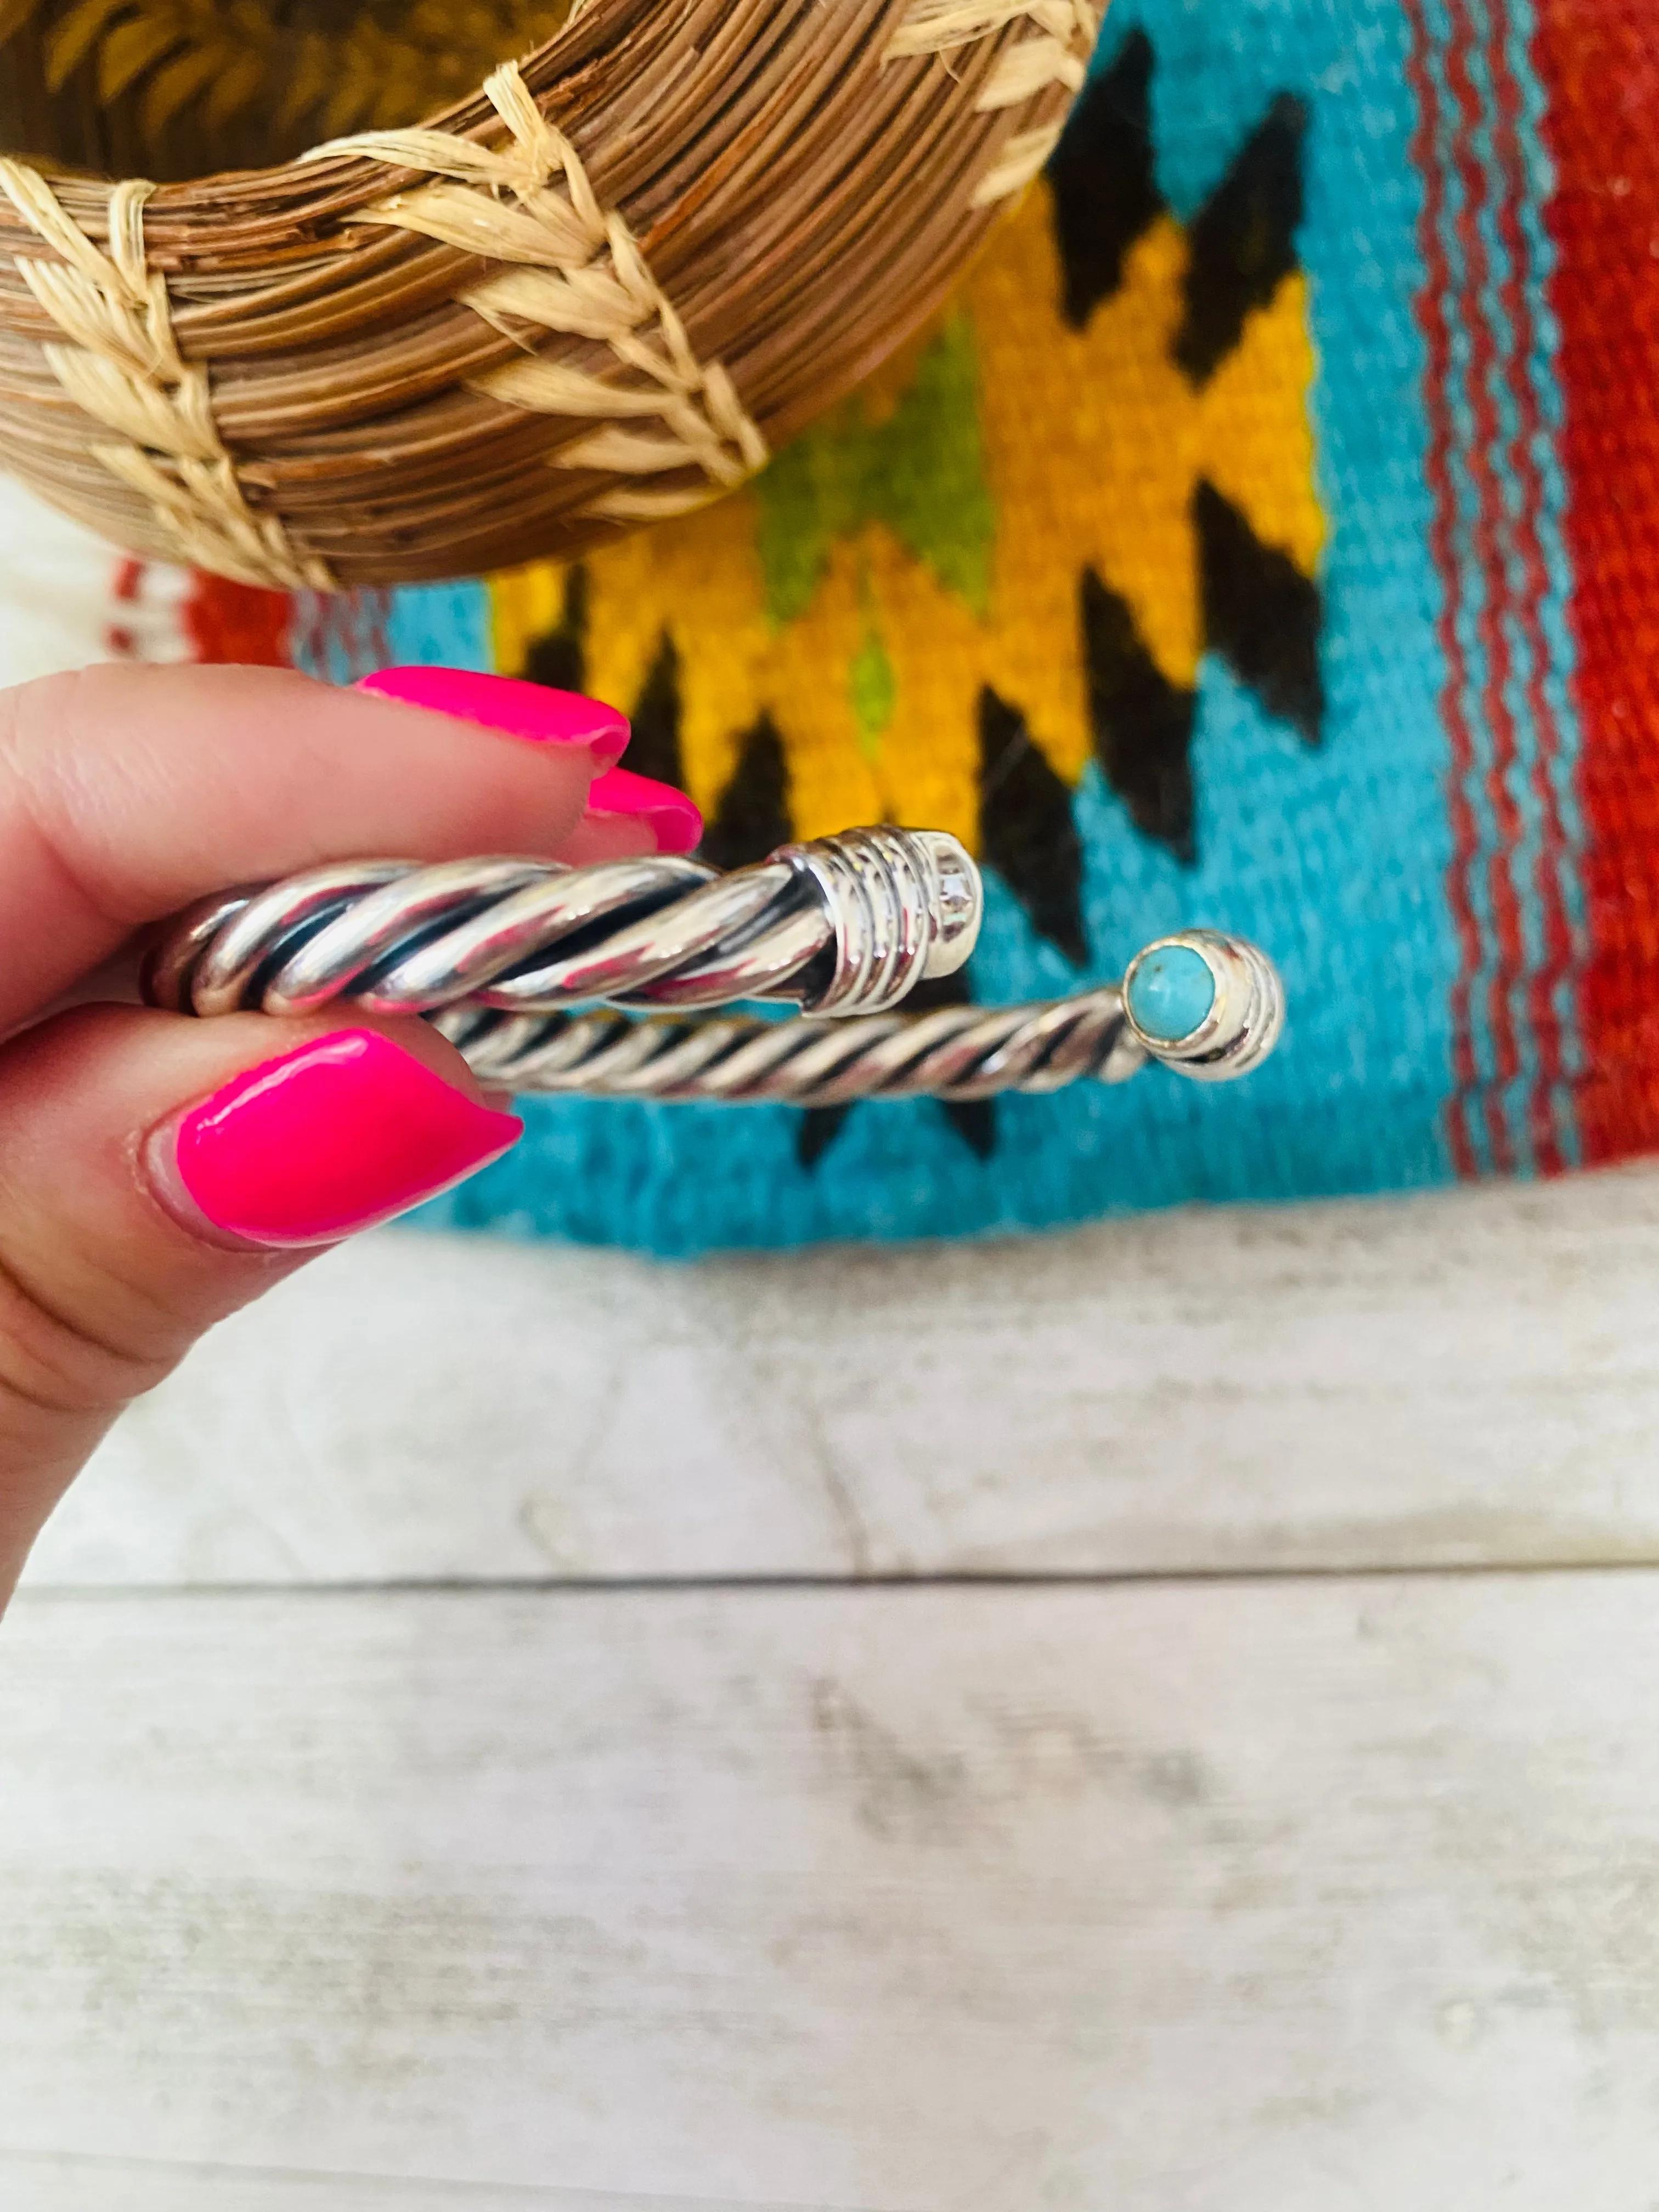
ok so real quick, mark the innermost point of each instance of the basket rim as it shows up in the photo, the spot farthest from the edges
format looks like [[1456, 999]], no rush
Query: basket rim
[[384, 359]]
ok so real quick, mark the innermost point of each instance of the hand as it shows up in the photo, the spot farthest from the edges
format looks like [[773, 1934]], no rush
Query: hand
[[156, 1172]]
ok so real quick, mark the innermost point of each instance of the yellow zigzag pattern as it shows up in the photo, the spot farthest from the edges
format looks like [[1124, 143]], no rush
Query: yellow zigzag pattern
[[1094, 442]]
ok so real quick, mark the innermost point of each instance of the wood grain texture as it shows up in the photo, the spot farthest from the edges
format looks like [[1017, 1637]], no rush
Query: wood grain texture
[[1467, 1377], [1278, 1897], [68, 2184]]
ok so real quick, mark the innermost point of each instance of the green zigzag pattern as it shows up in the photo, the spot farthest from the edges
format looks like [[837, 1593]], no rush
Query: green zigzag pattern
[[921, 472]]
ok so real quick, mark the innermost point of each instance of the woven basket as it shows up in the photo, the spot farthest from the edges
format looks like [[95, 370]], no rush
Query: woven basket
[[594, 294]]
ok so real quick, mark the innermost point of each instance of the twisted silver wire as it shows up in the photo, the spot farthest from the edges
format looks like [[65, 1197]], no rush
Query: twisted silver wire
[[734, 1060], [508, 957], [848, 925]]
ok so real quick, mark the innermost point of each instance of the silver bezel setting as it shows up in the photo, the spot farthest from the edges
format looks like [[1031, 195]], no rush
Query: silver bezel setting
[[1246, 1015]]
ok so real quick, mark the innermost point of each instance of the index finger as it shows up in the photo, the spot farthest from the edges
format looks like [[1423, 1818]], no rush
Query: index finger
[[127, 793]]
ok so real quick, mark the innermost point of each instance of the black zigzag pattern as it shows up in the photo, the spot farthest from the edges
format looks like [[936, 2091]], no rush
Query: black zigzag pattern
[[1241, 244], [1103, 179], [752, 818], [558, 657], [654, 747], [1026, 832], [1260, 613], [1142, 723]]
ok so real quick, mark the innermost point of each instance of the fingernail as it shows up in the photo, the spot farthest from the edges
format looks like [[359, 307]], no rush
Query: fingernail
[[530, 711], [338, 1136], [669, 814]]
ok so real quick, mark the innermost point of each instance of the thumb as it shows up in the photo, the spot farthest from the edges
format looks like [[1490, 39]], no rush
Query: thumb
[[155, 1174]]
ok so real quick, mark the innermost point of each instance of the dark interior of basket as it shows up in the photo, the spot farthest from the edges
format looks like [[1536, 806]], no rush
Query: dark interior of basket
[[176, 88]]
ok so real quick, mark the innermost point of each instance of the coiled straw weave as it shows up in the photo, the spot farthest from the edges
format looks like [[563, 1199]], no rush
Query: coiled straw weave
[[595, 294]]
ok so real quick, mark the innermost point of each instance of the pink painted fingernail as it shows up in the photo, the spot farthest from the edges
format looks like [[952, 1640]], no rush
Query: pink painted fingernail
[[340, 1134], [531, 711], [671, 817]]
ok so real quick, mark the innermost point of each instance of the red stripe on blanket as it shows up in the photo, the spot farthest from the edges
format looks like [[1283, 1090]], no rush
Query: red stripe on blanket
[[1503, 904], [1434, 310], [226, 622], [1600, 65], [1522, 459]]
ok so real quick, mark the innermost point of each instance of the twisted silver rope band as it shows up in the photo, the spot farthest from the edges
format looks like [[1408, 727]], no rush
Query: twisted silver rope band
[[500, 951], [848, 925], [953, 1052]]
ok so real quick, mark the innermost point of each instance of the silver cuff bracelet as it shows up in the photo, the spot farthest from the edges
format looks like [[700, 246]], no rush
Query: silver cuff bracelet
[[522, 964]]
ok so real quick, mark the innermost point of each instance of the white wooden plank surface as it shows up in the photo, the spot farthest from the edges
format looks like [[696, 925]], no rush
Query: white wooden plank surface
[[68, 2184], [1468, 1377], [1273, 1896]]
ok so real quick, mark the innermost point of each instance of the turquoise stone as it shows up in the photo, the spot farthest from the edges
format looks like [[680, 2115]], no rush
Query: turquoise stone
[[1171, 991]]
